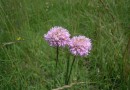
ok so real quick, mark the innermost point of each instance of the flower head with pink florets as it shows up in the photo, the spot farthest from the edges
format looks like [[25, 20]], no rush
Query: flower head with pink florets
[[80, 45], [57, 36]]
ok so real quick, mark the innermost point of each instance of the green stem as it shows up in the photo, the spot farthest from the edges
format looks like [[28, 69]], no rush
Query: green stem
[[57, 54], [71, 69], [67, 70]]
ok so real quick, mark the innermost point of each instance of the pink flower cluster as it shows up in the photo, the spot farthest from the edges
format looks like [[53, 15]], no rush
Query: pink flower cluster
[[57, 36], [78, 45]]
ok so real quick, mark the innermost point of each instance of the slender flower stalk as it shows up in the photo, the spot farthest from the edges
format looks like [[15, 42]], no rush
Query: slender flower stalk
[[67, 70], [71, 70], [57, 56]]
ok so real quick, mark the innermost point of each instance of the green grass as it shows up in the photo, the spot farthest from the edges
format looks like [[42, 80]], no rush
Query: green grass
[[29, 64]]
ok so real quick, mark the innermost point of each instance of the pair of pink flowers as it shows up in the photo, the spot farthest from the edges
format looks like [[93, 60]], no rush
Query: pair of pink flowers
[[78, 45]]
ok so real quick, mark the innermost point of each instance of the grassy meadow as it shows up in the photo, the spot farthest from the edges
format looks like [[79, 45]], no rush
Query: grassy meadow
[[27, 62]]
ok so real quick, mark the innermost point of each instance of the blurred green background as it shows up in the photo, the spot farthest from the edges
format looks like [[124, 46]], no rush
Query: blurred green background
[[27, 61]]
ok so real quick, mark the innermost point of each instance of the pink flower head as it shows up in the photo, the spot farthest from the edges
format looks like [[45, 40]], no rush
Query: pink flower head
[[80, 45], [57, 36]]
